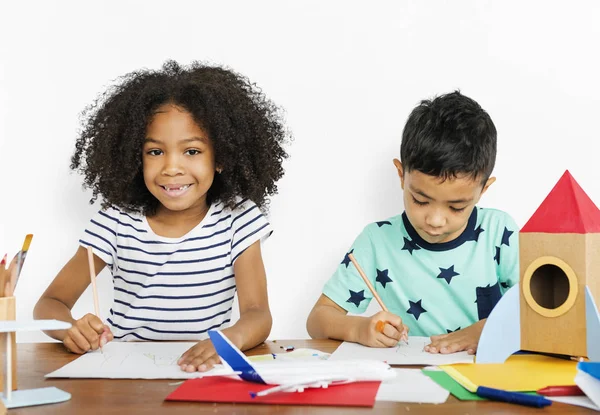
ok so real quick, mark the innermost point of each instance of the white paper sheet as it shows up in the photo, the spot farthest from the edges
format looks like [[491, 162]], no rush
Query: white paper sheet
[[411, 385], [575, 400], [590, 386], [133, 360], [402, 354]]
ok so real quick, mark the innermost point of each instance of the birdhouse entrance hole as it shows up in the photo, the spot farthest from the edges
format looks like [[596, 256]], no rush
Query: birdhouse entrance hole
[[550, 286]]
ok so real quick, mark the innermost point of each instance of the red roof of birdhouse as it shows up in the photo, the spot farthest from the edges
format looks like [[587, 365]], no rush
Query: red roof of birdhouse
[[566, 209]]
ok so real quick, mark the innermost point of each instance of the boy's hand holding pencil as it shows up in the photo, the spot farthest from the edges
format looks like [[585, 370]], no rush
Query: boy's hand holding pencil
[[384, 329]]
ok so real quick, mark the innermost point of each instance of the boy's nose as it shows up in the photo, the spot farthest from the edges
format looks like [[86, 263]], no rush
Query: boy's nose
[[435, 220]]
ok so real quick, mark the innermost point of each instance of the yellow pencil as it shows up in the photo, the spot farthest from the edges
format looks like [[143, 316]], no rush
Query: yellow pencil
[[380, 324]]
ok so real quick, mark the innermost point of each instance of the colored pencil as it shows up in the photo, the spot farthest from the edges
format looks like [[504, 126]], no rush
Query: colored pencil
[[379, 327], [94, 288], [22, 255], [2, 276], [566, 390]]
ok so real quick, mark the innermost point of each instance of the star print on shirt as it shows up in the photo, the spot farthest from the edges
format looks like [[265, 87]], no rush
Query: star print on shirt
[[448, 274], [452, 331], [356, 297], [346, 261], [383, 222], [382, 277], [410, 246], [497, 256], [505, 237], [416, 309], [476, 232]]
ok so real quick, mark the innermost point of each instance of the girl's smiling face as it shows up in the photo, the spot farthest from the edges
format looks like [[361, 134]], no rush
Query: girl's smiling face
[[178, 160]]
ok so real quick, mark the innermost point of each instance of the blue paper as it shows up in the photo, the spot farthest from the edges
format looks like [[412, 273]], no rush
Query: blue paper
[[501, 335], [591, 368], [592, 319]]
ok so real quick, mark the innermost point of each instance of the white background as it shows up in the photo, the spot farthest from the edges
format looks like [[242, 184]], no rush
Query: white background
[[347, 73]]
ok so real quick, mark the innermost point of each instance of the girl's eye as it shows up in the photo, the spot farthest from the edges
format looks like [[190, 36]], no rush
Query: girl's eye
[[154, 152], [457, 210], [192, 152], [419, 203]]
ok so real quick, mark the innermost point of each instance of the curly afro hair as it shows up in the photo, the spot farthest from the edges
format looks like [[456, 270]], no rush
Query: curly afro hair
[[246, 130]]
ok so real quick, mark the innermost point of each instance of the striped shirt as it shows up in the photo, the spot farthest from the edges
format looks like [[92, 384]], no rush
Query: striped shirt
[[173, 288]]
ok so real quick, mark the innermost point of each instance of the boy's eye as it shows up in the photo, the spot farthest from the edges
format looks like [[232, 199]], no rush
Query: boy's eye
[[418, 202], [192, 152], [154, 152], [457, 210]]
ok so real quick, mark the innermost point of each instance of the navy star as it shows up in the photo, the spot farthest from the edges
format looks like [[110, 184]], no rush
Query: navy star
[[452, 331], [356, 297], [410, 246], [476, 232], [383, 222], [382, 277], [448, 274], [497, 256], [505, 237], [346, 261], [416, 309]]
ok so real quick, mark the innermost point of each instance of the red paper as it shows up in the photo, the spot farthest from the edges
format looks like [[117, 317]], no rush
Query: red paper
[[222, 389]]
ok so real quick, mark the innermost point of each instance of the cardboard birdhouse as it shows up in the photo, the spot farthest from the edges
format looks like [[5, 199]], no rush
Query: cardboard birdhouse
[[553, 309]]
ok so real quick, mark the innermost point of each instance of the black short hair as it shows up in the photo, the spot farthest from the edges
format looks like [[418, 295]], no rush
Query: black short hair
[[449, 136], [246, 129]]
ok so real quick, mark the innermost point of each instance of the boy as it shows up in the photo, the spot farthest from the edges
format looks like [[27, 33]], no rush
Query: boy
[[442, 265]]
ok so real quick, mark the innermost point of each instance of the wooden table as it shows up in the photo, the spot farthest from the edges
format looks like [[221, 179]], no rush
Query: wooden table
[[129, 397]]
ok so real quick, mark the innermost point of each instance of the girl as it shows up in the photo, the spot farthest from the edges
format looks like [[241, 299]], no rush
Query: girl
[[183, 159]]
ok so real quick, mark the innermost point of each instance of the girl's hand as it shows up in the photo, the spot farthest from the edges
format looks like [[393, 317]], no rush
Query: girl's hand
[[457, 341], [388, 336], [201, 357], [88, 333]]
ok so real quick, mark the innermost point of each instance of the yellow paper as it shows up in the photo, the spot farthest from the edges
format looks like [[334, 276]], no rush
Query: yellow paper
[[520, 373]]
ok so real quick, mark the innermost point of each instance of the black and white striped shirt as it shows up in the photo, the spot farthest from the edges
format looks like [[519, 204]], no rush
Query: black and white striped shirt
[[173, 288]]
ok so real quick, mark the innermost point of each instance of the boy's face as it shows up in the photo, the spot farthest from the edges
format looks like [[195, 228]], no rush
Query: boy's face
[[178, 160], [439, 209]]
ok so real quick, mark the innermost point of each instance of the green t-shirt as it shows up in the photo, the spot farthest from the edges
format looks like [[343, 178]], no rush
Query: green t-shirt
[[434, 288]]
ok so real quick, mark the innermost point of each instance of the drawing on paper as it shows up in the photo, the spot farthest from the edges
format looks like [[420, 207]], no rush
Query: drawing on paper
[[129, 360]]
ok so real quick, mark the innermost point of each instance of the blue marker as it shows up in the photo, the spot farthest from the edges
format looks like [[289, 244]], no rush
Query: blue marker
[[513, 397]]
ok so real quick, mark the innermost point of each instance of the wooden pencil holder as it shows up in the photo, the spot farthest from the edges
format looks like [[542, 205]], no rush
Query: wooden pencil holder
[[8, 311]]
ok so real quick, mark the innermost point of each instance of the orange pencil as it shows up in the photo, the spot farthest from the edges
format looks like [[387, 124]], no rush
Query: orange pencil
[[94, 289], [380, 324]]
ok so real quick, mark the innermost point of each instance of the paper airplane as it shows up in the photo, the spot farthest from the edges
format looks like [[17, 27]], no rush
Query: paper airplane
[[292, 376]]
